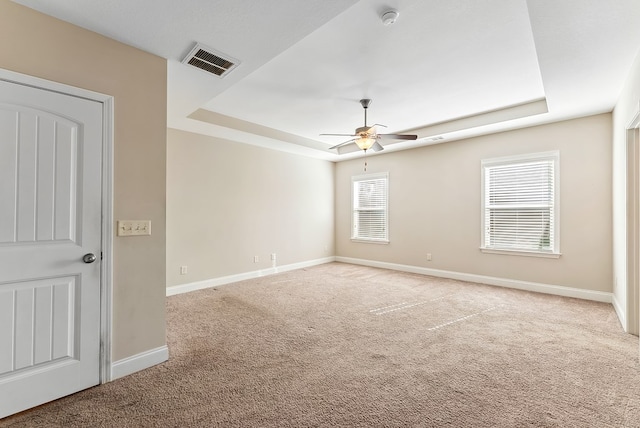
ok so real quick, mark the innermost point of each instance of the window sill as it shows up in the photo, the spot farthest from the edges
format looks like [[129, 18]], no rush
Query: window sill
[[521, 253], [370, 241]]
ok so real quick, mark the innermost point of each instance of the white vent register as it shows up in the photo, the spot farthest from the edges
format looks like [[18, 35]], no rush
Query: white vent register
[[210, 60]]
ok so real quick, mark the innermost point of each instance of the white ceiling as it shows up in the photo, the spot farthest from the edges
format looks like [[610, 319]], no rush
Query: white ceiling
[[449, 68]]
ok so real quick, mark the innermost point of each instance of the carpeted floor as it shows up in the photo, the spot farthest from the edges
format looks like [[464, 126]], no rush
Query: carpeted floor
[[339, 345]]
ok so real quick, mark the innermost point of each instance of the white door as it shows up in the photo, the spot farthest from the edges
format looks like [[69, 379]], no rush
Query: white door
[[50, 218]]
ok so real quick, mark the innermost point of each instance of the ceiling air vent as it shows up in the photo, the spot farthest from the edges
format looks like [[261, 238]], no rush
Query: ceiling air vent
[[210, 60]]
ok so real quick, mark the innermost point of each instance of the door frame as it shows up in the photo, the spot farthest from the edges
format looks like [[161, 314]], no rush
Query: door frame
[[106, 271], [633, 225]]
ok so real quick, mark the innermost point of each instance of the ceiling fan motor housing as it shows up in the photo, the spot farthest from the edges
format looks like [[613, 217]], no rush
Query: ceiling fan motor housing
[[364, 131]]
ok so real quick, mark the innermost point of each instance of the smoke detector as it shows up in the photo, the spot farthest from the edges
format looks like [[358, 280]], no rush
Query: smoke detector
[[389, 17]]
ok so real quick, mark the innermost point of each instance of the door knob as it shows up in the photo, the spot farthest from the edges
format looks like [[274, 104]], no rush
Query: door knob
[[89, 258]]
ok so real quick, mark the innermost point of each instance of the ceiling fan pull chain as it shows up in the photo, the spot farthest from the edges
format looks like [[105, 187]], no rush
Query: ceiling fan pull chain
[[365, 160]]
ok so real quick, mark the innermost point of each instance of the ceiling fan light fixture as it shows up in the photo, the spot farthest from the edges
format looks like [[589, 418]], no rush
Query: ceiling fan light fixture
[[365, 143]]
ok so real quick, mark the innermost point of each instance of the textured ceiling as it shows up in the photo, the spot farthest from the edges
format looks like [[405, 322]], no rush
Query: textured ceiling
[[450, 69]]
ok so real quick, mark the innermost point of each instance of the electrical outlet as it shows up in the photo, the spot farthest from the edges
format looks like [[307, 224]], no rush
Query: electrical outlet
[[183, 270], [273, 256], [428, 257], [256, 259]]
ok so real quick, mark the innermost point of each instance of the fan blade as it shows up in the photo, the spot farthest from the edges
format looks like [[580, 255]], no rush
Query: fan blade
[[339, 135], [342, 144], [376, 147], [348, 148], [397, 137], [386, 143]]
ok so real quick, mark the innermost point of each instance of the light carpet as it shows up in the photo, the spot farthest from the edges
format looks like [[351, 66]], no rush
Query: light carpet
[[340, 345]]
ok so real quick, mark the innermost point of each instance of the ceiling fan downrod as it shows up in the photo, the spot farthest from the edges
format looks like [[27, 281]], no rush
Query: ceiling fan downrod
[[365, 105]]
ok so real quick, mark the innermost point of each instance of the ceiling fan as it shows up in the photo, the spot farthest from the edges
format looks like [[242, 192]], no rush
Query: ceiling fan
[[366, 137]]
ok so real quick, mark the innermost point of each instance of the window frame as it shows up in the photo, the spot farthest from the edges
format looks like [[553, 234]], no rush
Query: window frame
[[366, 177], [554, 157]]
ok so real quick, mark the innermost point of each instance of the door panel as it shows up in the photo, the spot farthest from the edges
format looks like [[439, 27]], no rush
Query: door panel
[[50, 216], [38, 319], [39, 192]]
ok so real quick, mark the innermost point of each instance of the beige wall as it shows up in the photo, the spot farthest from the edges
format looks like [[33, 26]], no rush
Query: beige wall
[[626, 108], [228, 202], [41, 46], [435, 205]]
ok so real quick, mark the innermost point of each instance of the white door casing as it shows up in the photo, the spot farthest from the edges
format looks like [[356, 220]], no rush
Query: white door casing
[[633, 226], [51, 147]]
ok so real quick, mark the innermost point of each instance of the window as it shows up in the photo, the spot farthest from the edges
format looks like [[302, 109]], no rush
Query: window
[[520, 204], [370, 208]]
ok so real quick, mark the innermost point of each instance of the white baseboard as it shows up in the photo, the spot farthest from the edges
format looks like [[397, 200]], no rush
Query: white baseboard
[[214, 282], [599, 296], [559, 290], [138, 362], [622, 314]]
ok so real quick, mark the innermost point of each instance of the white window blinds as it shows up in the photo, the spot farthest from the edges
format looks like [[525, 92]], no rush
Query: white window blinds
[[520, 203], [370, 207]]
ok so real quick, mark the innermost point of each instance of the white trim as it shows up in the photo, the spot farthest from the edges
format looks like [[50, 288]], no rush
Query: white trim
[[554, 156], [368, 177], [558, 290], [370, 241], [521, 253], [106, 310], [139, 362], [619, 311], [635, 120], [106, 275], [50, 85], [505, 160], [215, 282], [629, 315]]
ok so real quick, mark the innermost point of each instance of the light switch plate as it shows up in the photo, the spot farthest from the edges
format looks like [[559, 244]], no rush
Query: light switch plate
[[134, 227]]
